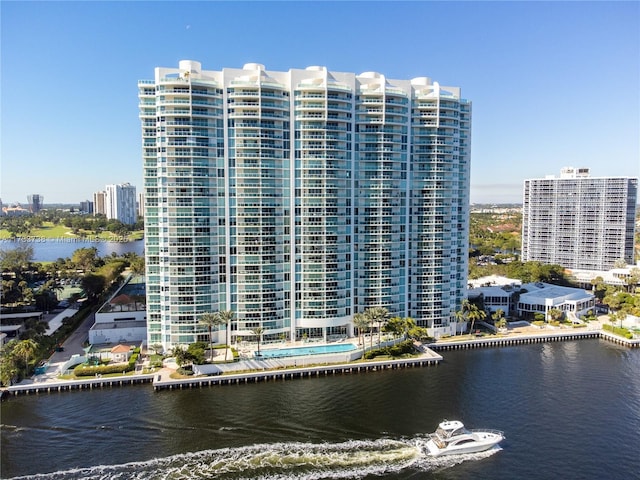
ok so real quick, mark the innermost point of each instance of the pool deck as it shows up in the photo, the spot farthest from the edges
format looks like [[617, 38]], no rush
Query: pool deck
[[290, 368]]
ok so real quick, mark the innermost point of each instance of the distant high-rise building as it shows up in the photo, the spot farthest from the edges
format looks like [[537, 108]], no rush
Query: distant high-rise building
[[86, 206], [35, 202], [141, 205], [99, 203], [298, 199], [579, 221], [120, 203]]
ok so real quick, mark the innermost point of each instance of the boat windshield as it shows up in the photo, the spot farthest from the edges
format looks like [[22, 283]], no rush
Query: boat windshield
[[442, 433]]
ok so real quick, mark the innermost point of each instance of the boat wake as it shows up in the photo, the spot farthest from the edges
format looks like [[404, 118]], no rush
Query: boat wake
[[279, 461]]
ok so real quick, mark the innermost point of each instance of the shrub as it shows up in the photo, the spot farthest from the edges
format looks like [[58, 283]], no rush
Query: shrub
[[184, 371], [623, 332], [89, 371], [132, 360], [393, 351]]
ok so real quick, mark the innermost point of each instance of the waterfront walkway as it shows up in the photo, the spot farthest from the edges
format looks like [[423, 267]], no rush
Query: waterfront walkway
[[250, 370]]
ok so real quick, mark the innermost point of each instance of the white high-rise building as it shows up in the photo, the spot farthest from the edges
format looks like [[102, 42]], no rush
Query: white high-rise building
[[297, 199], [120, 203], [578, 221]]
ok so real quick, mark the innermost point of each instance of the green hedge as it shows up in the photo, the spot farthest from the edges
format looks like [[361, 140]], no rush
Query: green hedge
[[393, 350], [623, 332], [87, 371]]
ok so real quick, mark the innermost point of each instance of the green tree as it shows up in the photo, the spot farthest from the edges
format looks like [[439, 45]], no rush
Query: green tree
[[258, 331], [86, 259], [633, 279], [16, 259], [227, 317], [474, 313], [362, 323], [211, 320], [379, 316], [26, 349], [395, 326], [555, 314], [599, 288], [461, 313], [180, 355], [498, 318], [399, 327], [93, 285], [418, 333], [620, 263], [620, 315], [8, 363]]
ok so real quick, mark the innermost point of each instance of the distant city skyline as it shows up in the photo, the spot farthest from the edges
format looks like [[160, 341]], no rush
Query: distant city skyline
[[553, 84]]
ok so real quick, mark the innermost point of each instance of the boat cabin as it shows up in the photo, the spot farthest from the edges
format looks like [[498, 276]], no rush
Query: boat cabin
[[448, 429]]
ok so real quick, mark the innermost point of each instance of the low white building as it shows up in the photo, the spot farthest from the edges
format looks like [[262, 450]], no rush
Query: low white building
[[497, 293], [123, 318], [524, 301], [615, 276], [494, 298], [541, 297]]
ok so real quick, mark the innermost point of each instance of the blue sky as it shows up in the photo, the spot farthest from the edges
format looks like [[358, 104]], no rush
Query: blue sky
[[553, 84]]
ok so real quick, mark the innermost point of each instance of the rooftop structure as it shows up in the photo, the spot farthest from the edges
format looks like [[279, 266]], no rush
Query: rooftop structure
[[541, 297]]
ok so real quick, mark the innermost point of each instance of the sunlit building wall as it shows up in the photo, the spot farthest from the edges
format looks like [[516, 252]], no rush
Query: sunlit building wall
[[297, 199], [579, 221]]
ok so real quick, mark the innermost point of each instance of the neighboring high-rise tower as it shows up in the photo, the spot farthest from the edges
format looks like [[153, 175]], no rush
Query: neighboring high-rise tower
[[579, 221], [35, 202], [98, 203], [120, 203], [297, 199]]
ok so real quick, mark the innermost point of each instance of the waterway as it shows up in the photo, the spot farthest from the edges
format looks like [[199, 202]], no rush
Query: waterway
[[49, 250], [569, 410]]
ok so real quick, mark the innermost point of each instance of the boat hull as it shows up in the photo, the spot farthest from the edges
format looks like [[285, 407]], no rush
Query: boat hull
[[474, 447]]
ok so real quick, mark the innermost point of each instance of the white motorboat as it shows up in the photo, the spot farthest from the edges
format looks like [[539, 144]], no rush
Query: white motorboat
[[452, 437]]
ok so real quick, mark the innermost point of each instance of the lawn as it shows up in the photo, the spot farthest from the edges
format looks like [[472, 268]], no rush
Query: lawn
[[49, 231]]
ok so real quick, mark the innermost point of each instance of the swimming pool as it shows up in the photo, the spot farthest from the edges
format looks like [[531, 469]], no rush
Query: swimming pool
[[301, 351]]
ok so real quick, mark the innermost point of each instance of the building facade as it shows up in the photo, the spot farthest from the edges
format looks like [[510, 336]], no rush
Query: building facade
[[36, 202], [297, 199], [120, 203], [579, 221], [86, 206], [98, 203]]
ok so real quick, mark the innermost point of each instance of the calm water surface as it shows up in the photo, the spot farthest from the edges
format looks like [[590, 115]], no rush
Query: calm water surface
[[49, 250], [570, 410]]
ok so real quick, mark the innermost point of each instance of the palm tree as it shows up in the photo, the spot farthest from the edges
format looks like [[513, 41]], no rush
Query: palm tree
[[258, 331], [8, 363], [621, 315], [361, 322], [497, 318], [475, 313], [210, 320], [461, 314], [227, 317], [25, 348], [377, 315], [555, 314]]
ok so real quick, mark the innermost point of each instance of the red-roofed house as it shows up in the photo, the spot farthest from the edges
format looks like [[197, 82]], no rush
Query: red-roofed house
[[121, 353]]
